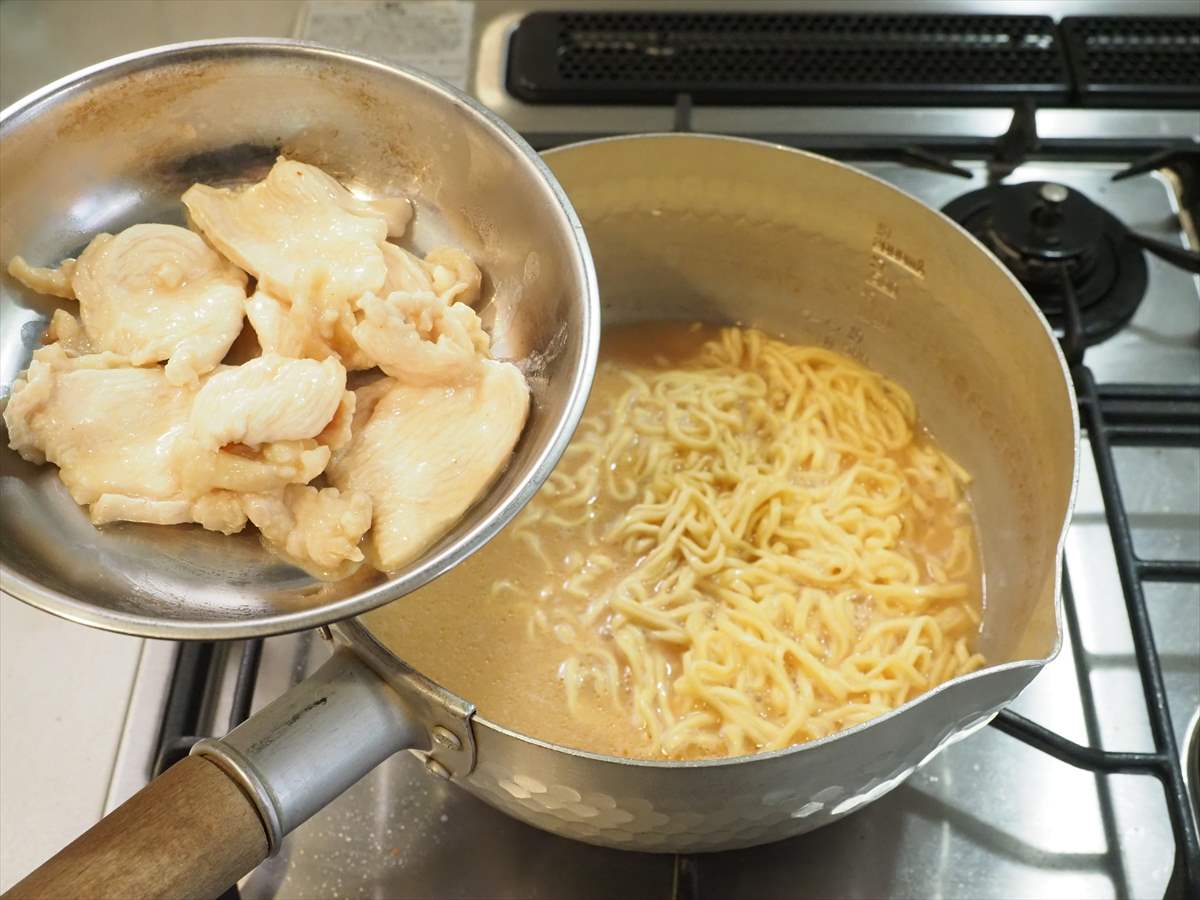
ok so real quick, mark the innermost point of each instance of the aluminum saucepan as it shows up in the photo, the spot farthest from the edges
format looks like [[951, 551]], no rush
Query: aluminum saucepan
[[725, 230], [118, 144]]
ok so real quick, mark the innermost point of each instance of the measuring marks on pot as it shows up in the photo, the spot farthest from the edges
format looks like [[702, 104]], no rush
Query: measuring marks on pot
[[889, 265]]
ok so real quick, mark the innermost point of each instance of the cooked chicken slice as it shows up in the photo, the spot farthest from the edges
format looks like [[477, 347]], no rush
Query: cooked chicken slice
[[216, 511], [428, 453], [455, 276], [405, 271], [61, 355], [246, 471], [66, 330], [396, 211], [111, 429], [158, 292], [219, 511], [121, 438], [306, 329], [418, 339], [278, 332], [297, 228], [318, 527], [337, 433], [122, 508], [446, 271], [268, 399], [55, 282]]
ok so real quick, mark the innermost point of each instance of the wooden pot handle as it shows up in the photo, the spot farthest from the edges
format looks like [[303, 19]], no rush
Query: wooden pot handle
[[190, 833]]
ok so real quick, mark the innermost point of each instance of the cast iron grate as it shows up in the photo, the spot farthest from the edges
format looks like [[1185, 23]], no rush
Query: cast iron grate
[[1143, 416], [1126, 60], [775, 58]]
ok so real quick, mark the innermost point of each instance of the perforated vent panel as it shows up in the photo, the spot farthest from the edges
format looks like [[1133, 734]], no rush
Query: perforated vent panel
[[1151, 60], [748, 58]]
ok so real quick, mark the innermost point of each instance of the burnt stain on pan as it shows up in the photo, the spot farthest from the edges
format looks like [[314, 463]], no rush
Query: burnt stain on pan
[[238, 163]]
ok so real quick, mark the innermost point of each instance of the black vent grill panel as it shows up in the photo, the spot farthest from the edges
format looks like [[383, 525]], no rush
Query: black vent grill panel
[[751, 58], [1150, 60]]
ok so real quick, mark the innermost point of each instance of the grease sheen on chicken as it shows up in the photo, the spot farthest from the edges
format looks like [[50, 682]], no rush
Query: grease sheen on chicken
[[426, 453], [149, 293], [131, 399]]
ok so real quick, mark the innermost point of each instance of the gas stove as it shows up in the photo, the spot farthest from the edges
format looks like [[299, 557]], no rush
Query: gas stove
[[1090, 196]]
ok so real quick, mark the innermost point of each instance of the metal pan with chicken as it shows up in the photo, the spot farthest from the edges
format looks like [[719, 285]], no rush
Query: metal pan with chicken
[[282, 362]]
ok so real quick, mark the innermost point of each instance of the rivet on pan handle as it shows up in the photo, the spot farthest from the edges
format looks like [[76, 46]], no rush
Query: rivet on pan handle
[[447, 716]]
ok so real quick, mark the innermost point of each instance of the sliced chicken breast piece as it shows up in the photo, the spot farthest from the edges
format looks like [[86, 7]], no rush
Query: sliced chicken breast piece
[[319, 528], [216, 511], [278, 332], [405, 271], [426, 454], [123, 508], [271, 398], [219, 511], [306, 329], [67, 331], [56, 282], [158, 292], [298, 231], [244, 470], [420, 340], [456, 278], [445, 271], [396, 211], [122, 439], [110, 428]]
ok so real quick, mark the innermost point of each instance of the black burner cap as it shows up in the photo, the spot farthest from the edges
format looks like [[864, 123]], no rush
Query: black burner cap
[[1042, 231], [1043, 224]]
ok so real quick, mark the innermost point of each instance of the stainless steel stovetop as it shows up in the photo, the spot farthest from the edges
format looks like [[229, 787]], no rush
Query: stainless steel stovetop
[[989, 817]]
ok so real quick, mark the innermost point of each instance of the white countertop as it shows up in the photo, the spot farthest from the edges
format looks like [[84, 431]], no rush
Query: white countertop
[[64, 689]]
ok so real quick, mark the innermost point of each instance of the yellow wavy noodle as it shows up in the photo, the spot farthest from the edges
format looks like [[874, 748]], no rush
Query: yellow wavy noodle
[[767, 550]]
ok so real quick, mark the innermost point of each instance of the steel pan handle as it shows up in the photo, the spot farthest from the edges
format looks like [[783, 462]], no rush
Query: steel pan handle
[[213, 817]]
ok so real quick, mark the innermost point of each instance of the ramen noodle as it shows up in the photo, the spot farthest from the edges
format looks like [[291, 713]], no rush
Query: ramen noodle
[[748, 544]]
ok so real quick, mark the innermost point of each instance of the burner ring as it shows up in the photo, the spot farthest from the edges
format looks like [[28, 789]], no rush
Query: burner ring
[[1106, 268], [1041, 272]]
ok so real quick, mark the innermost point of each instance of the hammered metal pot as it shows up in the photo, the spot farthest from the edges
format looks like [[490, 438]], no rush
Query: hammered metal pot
[[730, 231], [724, 230]]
